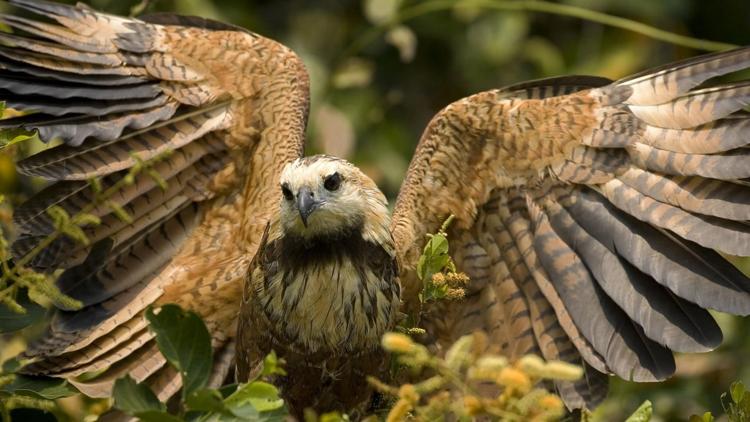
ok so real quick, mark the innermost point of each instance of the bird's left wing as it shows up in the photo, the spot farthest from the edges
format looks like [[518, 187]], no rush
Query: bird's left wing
[[119, 93], [587, 215]]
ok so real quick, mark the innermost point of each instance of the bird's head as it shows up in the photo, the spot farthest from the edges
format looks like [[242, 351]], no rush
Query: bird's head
[[323, 196]]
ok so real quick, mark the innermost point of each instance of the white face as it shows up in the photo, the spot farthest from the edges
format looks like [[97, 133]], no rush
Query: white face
[[323, 195]]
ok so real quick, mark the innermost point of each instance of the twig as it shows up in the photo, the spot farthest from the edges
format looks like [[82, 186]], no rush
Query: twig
[[431, 6]]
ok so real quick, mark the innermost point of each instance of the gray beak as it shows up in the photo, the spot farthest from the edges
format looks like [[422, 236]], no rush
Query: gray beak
[[306, 204]]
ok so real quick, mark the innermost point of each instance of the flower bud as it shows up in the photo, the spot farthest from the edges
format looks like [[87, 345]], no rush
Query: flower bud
[[562, 371], [409, 393], [398, 343], [532, 365], [551, 402], [399, 411], [515, 379], [472, 405]]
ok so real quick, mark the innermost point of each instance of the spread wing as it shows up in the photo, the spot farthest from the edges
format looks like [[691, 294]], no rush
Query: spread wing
[[119, 93], [589, 213]]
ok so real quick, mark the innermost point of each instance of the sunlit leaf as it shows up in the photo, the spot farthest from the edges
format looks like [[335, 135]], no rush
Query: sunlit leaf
[[434, 258], [354, 72], [642, 414], [381, 11], [737, 390], [206, 399], [404, 40], [262, 396], [706, 417], [272, 365], [10, 137]]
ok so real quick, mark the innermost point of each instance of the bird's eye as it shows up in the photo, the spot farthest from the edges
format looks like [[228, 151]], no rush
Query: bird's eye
[[332, 182], [287, 193]]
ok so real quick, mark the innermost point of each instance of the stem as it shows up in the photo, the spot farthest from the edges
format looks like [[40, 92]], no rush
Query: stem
[[609, 20], [140, 7], [540, 6]]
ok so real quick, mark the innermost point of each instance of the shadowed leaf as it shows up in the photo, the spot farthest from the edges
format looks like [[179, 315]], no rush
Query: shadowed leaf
[[185, 342]]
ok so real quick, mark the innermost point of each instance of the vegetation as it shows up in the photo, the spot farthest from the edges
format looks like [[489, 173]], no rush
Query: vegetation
[[380, 70]]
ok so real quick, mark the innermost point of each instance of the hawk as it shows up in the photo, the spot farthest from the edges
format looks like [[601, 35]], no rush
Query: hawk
[[589, 213]]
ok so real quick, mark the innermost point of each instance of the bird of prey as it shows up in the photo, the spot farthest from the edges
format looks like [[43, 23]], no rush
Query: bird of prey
[[589, 213]]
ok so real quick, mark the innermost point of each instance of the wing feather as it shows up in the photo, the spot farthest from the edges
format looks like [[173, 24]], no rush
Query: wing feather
[[612, 195], [120, 93]]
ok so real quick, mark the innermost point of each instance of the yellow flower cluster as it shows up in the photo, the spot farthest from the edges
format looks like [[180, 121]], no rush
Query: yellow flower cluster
[[453, 283], [465, 383]]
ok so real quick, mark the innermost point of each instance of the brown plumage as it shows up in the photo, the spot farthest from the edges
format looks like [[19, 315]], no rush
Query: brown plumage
[[588, 211], [322, 288]]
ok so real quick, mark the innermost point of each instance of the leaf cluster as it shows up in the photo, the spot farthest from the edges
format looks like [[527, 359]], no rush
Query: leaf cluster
[[185, 342], [736, 404], [437, 271]]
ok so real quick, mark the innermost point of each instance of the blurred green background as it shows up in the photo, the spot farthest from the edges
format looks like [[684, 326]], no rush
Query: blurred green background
[[375, 86]]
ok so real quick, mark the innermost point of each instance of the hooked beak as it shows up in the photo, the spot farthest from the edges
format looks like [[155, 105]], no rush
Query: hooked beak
[[306, 204]]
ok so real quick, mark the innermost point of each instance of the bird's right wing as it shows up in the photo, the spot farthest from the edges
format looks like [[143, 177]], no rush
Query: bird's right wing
[[119, 93]]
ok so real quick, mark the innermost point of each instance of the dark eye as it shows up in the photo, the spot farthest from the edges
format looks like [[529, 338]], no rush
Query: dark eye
[[332, 182], [287, 193]]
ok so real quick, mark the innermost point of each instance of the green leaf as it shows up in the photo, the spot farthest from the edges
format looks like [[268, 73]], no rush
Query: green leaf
[[44, 387], [207, 400], [272, 365], [227, 390], [11, 365], [262, 396], [333, 417], [706, 417], [434, 257], [642, 414], [737, 390], [120, 212], [134, 398], [157, 416], [12, 321], [10, 137], [185, 342]]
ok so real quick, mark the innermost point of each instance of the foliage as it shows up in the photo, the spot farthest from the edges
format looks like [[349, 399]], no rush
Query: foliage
[[736, 404], [24, 293], [15, 275], [437, 271], [185, 342], [469, 384]]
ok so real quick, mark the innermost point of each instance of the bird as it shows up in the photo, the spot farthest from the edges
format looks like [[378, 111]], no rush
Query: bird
[[323, 288], [590, 214]]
